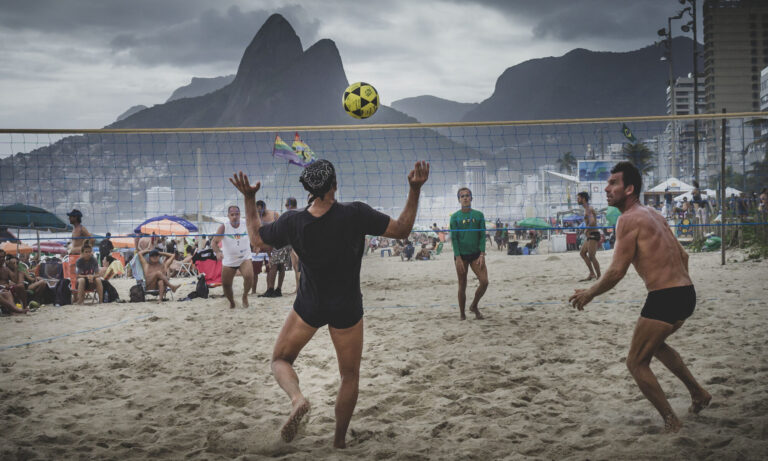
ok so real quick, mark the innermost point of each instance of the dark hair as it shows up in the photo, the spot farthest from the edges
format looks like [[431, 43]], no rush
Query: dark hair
[[110, 259], [291, 201], [86, 246], [630, 176], [109, 234], [232, 206], [458, 192], [584, 195], [261, 204]]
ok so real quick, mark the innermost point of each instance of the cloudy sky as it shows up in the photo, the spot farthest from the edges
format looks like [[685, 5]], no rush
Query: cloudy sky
[[80, 63]]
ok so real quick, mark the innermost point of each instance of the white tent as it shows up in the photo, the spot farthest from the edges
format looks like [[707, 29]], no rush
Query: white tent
[[673, 184], [709, 193]]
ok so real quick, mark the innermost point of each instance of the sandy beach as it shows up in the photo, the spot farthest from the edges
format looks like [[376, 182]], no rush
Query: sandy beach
[[534, 380]]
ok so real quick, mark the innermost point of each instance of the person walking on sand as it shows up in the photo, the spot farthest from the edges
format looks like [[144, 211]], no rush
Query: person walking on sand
[[644, 239], [329, 238], [468, 241], [589, 247], [234, 254]]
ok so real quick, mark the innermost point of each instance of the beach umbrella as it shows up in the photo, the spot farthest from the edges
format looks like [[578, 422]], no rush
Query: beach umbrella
[[166, 225], [51, 247], [16, 248], [23, 216], [612, 215], [533, 223], [122, 241]]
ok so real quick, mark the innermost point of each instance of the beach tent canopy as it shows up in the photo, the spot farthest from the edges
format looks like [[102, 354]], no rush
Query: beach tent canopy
[[166, 225], [22, 216], [673, 184], [533, 223], [709, 193], [572, 218]]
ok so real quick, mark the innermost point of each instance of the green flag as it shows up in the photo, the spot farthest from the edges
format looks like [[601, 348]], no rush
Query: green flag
[[628, 133]]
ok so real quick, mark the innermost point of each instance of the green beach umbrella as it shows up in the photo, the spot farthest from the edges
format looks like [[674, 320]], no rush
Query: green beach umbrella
[[533, 223], [612, 215], [31, 217]]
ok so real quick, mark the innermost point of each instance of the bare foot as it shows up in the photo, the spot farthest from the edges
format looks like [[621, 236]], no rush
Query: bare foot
[[463, 317], [478, 315], [245, 300], [174, 287], [591, 277], [291, 427], [700, 402], [672, 424]]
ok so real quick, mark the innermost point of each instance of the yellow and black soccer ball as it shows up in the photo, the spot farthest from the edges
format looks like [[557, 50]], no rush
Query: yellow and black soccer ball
[[360, 100]]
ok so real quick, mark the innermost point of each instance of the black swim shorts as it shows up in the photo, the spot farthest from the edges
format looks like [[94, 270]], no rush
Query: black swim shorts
[[670, 304], [594, 235], [336, 317], [470, 257]]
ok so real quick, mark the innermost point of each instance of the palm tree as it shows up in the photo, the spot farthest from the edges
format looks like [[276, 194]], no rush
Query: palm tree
[[639, 155], [567, 163]]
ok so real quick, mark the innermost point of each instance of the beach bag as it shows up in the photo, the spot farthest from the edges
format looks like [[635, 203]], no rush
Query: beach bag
[[110, 292], [201, 289], [46, 295], [62, 293], [136, 294]]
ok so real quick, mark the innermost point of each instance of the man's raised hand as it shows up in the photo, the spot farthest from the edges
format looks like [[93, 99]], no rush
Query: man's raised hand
[[419, 174], [240, 181]]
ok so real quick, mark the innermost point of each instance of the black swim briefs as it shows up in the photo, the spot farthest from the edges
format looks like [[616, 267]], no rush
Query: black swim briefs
[[470, 257], [594, 235], [338, 316], [670, 304]]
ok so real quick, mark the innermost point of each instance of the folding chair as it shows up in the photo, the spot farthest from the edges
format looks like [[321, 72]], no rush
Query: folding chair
[[207, 264]]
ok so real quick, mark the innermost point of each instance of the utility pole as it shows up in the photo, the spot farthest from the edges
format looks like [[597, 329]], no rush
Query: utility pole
[[688, 27]]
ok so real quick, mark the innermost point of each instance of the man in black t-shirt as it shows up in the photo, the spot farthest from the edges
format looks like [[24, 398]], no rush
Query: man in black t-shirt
[[105, 248], [329, 238], [87, 275]]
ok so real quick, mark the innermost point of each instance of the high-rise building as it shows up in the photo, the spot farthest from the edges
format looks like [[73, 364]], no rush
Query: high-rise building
[[735, 51], [681, 161], [159, 201]]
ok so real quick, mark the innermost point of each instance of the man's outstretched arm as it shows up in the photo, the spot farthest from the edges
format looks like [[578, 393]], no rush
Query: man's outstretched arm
[[401, 227], [252, 218]]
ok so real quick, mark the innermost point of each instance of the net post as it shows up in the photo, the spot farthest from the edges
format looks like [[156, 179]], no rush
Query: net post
[[722, 192]]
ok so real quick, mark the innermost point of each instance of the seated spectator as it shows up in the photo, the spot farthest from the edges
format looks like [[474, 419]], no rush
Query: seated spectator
[[156, 272], [7, 305], [423, 254], [407, 253], [397, 248], [114, 268], [87, 269], [26, 278], [10, 280]]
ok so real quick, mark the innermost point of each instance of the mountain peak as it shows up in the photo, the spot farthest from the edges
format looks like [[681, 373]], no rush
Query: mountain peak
[[274, 45]]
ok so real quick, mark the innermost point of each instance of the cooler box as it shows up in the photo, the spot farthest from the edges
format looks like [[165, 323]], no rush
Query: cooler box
[[557, 243]]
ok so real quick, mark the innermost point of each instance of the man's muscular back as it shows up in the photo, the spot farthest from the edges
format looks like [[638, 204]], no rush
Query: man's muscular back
[[659, 258]]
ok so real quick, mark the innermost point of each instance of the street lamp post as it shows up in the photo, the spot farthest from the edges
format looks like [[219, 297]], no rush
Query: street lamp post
[[691, 26], [668, 56]]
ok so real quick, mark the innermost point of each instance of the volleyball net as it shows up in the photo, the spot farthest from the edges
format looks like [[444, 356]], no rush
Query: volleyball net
[[517, 171]]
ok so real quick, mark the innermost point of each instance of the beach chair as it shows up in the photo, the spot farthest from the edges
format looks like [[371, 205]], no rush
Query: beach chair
[[138, 274], [206, 263]]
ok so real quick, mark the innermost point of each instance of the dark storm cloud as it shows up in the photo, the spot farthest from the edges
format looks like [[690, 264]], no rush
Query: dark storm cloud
[[150, 32], [588, 19], [212, 37]]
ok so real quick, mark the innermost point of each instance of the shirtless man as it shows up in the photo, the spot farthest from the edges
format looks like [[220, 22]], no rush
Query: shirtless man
[[291, 204], [79, 233], [644, 239], [9, 280], [234, 254], [267, 216], [155, 272], [589, 248]]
